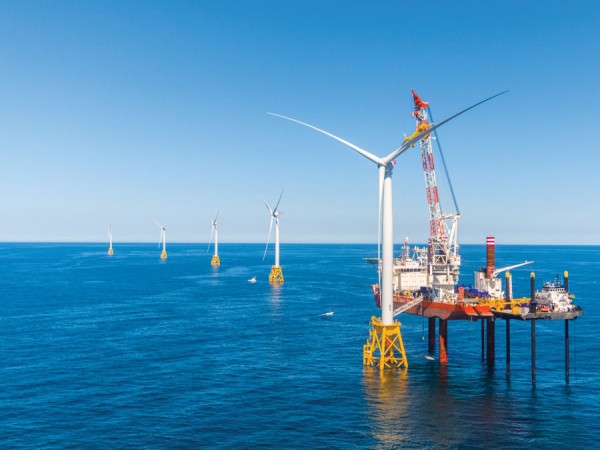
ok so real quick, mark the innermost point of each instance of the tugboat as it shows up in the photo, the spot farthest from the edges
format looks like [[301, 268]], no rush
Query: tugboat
[[553, 297]]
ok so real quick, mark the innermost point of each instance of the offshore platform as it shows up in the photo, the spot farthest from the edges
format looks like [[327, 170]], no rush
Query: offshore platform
[[426, 283], [425, 280]]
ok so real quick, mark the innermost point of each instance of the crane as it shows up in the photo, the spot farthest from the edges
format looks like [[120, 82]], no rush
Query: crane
[[443, 257]]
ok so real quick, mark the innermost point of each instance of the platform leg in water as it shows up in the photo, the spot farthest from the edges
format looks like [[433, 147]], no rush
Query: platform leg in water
[[491, 342], [566, 350], [431, 336], [384, 348], [507, 348], [443, 341]]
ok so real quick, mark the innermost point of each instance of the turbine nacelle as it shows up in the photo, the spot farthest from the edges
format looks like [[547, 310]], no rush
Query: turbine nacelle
[[214, 221]]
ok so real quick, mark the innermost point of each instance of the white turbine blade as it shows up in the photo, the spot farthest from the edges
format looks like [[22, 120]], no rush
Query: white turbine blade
[[267, 205], [212, 233], [217, 217], [277, 205], [156, 222], [405, 145], [356, 148], [268, 238], [161, 237]]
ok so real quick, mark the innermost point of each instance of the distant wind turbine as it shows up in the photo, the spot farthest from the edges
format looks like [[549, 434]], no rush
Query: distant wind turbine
[[163, 239], [276, 276], [110, 247], [215, 232]]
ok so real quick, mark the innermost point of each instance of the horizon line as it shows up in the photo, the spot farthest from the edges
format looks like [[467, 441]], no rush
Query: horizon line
[[283, 243]]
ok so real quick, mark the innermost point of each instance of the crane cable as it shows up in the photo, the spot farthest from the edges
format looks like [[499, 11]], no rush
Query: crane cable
[[437, 140]]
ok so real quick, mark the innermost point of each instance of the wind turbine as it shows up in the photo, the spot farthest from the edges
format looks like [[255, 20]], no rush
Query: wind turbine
[[215, 232], [386, 337], [110, 249], [163, 238], [276, 275]]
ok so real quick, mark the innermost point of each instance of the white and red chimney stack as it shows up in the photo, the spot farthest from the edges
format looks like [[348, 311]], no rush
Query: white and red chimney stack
[[490, 247]]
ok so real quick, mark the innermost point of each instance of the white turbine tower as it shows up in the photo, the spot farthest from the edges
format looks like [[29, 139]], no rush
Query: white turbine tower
[[110, 248], [276, 275], [163, 239], [215, 261], [385, 338]]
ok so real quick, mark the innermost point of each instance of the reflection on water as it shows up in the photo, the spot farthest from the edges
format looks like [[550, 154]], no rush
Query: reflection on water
[[275, 295], [214, 275], [387, 396], [276, 292], [405, 412], [443, 373]]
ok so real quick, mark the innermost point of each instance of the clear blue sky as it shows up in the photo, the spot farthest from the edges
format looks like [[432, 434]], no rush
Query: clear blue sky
[[120, 112]]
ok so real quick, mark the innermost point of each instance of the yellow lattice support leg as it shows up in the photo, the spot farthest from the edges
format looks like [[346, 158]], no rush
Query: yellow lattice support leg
[[384, 348], [367, 354], [215, 261], [163, 255], [276, 276], [110, 251]]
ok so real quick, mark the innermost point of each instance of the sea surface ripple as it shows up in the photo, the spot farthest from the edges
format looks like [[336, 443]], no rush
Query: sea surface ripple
[[131, 351]]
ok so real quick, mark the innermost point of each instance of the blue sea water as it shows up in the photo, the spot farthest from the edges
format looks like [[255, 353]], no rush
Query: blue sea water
[[131, 351]]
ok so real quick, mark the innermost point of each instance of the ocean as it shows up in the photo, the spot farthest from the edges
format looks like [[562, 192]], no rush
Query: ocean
[[129, 351]]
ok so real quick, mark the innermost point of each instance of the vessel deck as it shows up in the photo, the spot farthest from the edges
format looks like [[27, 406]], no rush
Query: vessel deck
[[568, 315]]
